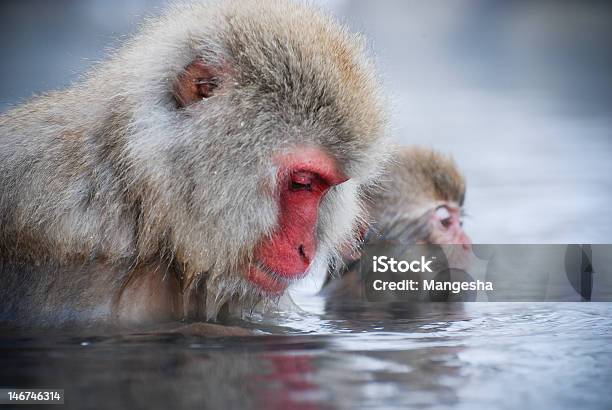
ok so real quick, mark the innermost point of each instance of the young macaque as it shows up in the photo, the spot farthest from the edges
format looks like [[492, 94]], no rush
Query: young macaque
[[208, 163], [418, 201]]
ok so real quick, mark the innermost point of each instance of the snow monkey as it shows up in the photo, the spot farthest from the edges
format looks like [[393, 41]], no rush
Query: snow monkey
[[419, 201], [210, 161]]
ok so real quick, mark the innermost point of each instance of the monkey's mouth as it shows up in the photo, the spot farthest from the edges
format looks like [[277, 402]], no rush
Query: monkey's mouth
[[270, 281]]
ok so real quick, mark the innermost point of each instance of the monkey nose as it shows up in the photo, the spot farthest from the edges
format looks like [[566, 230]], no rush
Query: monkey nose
[[466, 242], [303, 255]]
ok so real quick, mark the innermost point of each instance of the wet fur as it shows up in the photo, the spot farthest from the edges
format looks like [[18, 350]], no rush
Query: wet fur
[[108, 180], [399, 209]]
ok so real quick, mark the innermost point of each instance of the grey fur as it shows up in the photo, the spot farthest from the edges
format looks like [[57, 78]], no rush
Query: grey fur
[[109, 174]]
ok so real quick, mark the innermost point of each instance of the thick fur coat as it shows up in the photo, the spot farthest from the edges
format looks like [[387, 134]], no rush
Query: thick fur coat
[[110, 180]]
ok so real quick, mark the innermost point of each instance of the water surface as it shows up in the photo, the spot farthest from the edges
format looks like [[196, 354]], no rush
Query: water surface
[[518, 92], [474, 355]]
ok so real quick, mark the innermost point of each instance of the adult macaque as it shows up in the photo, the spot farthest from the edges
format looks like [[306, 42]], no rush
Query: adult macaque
[[419, 201], [212, 160]]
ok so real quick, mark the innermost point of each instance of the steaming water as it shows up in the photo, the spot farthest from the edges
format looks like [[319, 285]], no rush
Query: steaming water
[[519, 93], [477, 355]]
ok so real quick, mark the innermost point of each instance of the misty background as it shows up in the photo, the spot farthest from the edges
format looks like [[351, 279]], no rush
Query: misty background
[[518, 92]]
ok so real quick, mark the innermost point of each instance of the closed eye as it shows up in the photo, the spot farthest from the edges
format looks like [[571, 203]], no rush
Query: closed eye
[[297, 186], [304, 181]]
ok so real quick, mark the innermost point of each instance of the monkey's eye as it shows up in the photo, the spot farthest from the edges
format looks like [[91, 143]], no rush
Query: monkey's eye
[[296, 186], [302, 181], [444, 216]]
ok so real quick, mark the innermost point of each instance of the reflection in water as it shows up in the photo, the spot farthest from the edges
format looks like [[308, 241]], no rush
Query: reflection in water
[[432, 355], [518, 92]]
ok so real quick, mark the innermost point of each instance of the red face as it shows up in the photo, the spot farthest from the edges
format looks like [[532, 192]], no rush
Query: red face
[[304, 178], [448, 227]]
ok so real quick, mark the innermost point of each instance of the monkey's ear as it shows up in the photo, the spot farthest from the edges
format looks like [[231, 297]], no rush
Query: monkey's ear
[[196, 82]]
